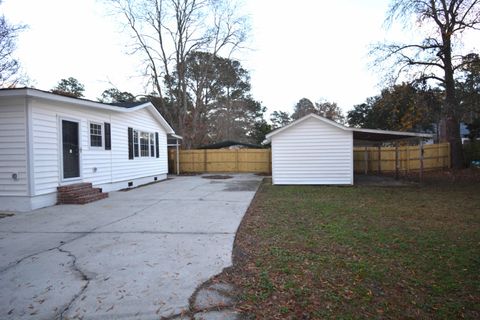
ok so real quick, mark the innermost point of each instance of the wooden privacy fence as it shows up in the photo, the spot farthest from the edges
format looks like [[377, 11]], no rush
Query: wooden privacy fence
[[406, 158], [223, 160], [366, 160]]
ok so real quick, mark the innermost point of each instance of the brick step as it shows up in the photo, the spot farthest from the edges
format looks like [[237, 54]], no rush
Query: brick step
[[78, 193], [75, 187], [85, 199]]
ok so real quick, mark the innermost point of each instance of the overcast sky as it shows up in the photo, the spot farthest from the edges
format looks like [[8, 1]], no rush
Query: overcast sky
[[301, 48]]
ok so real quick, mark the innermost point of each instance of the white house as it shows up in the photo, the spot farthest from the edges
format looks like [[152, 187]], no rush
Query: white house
[[316, 150], [48, 140]]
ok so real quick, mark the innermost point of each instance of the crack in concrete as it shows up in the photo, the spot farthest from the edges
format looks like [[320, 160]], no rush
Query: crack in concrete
[[120, 232], [71, 255], [62, 243], [82, 234], [83, 277]]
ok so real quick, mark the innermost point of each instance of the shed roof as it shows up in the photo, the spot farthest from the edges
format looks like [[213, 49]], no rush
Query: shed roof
[[358, 134], [121, 107]]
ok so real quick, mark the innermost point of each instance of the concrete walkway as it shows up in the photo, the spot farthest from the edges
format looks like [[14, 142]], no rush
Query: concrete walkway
[[139, 254]]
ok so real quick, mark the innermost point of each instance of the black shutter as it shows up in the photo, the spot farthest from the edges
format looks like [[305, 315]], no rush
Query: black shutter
[[108, 137], [130, 143], [156, 145]]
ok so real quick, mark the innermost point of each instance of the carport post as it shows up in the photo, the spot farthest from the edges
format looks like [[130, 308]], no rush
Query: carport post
[[177, 157], [421, 160]]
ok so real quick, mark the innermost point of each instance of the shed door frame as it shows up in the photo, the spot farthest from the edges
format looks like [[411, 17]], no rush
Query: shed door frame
[[61, 158]]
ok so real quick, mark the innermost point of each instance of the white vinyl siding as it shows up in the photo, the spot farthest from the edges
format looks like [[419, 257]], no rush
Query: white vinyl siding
[[13, 147], [313, 152], [97, 165]]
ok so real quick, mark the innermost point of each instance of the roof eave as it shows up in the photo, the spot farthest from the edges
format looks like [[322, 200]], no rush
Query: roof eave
[[34, 93], [308, 116]]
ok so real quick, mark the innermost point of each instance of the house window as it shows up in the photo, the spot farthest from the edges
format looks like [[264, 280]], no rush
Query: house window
[[144, 144], [96, 135], [152, 145]]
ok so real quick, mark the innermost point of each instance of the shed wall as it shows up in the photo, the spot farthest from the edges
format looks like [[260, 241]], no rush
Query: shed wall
[[312, 152]]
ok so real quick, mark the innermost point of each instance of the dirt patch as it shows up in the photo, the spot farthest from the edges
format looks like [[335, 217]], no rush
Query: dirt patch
[[381, 181], [217, 177], [263, 174], [246, 185], [444, 177]]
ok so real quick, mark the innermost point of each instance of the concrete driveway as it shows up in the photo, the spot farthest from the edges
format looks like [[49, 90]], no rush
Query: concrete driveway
[[139, 254]]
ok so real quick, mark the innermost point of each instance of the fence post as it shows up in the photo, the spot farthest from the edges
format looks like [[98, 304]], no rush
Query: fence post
[[236, 160], [366, 160], [270, 161], [205, 160], [449, 159], [421, 160], [379, 159], [397, 162], [408, 158]]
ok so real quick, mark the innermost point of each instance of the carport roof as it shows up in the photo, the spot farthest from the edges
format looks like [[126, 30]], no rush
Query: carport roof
[[358, 134], [384, 135]]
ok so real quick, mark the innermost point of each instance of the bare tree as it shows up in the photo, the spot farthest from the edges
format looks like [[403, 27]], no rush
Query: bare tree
[[9, 66], [433, 59], [330, 110], [325, 109], [167, 32], [280, 119]]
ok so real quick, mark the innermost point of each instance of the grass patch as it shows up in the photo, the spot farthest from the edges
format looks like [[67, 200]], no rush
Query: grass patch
[[360, 252]]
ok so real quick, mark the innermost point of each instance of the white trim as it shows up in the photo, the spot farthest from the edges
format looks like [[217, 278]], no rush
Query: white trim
[[176, 136], [150, 143], [60, 146], [333, 123], [352, 162], [308, 116], [29, 146]]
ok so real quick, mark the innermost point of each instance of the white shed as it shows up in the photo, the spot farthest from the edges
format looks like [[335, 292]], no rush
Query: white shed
[[316, 150], [48, 140]]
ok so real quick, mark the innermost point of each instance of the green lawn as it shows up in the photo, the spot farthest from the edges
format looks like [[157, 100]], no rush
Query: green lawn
[[313, 252]]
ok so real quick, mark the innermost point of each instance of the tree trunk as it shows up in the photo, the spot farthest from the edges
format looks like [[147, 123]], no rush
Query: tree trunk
[[452, 129], [452, 126]]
